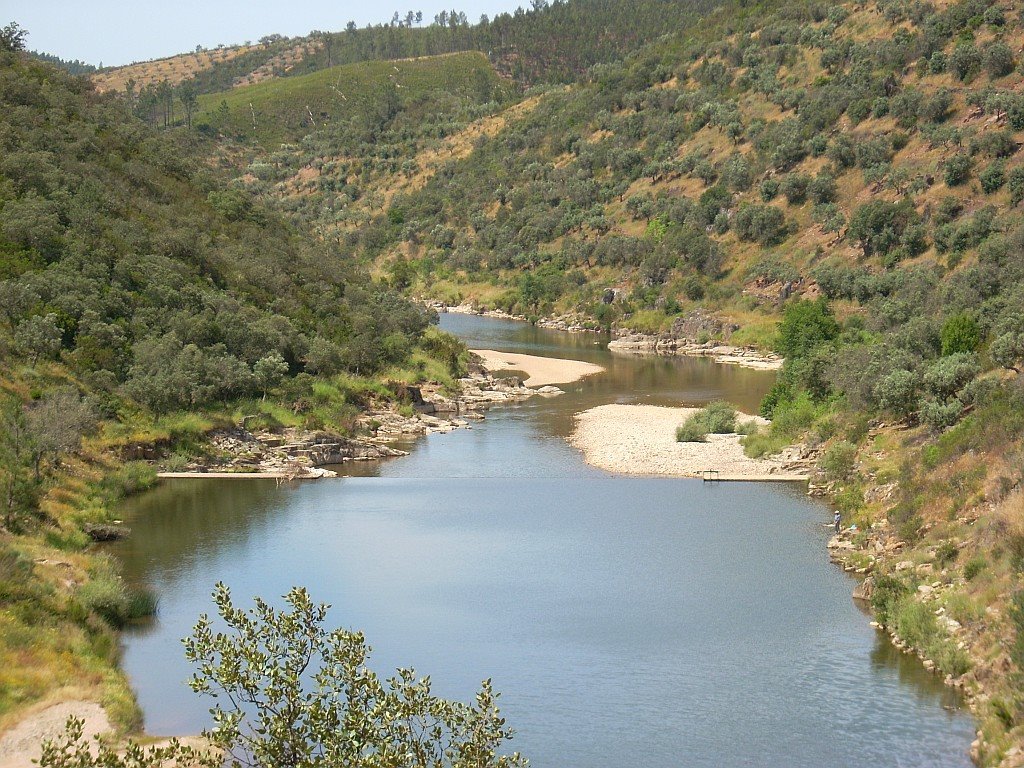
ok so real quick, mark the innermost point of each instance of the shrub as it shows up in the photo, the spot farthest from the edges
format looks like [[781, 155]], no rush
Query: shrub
[[974, 566], [690, 432], [877, 226], [1016, 185], [823, 189], [794, 187], [838, 460], [764, 224], [805, 326], [965, 61], [956, 170], [946, 552], [997, 59], [769, 189], [960, 334], [993, 178], [936, 107], [937, 63], [716, 418], [899, 392]]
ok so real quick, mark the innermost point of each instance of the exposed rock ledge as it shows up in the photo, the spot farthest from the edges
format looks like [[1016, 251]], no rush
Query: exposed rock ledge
[[747, 357]]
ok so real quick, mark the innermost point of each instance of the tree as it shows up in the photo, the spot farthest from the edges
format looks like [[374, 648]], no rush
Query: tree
[[960, 333], [878, 225], [998, 59], [56, 423], [18, 488], [957, 169], [189, 100], [38, 337], [268, 372], [805, 326], [12, 38], [899, 392], [1007, 349], [288, 692]]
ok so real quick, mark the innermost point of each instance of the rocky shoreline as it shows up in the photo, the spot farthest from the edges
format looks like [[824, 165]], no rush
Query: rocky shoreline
[[298, 454], [876, 552], [644, 344]]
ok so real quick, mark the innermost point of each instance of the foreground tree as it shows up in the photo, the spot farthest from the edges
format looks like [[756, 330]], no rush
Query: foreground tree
[[289, 693]]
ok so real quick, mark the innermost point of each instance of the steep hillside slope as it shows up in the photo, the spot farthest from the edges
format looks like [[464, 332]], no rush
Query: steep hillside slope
[[373, 92]]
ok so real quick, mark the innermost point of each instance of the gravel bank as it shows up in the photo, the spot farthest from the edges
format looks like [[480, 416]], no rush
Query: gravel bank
[[641, 440]]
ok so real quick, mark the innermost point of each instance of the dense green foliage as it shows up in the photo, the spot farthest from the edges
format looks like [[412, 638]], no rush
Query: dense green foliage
[[127, 261]]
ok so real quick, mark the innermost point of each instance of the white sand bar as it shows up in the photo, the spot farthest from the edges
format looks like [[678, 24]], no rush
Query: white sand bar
[[641, 440], [540, 371]]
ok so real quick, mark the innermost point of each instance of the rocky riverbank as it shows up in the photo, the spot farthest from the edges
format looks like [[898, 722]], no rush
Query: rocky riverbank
[[645, 344], [574, 324], [299, 454], [930, 606]]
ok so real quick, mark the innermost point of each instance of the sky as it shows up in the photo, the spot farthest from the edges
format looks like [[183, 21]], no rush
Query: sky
[[116, 32]]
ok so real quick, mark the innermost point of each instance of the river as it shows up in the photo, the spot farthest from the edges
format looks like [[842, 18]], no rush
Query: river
[[625, 621]]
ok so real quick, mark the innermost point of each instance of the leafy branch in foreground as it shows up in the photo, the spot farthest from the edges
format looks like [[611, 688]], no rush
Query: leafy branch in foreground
[[291, 693]]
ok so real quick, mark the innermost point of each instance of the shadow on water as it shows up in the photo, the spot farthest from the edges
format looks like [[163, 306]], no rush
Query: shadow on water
[[625, 620]]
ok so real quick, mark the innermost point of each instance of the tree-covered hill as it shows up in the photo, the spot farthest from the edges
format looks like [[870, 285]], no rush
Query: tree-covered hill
[[369, 94], [549, 43], [123, 257]]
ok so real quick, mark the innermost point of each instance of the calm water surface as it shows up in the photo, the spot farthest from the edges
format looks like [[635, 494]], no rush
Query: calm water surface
[[627, 622]]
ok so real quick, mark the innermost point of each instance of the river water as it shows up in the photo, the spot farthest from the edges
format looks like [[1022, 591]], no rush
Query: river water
[[626, 621]]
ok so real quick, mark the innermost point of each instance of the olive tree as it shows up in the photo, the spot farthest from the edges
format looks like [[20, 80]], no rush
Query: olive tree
[[289, 692]]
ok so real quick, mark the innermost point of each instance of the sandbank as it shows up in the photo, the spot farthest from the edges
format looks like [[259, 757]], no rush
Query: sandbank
[[540, 371], [641, 440]]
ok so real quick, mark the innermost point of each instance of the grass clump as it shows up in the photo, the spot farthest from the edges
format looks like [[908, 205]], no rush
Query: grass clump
[[119, 604], [718, 418]]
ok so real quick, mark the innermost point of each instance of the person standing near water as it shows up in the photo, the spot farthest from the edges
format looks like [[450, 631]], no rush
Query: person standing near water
[[835, 519]]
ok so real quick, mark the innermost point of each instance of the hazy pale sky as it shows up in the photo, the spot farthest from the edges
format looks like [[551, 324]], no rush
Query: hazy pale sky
[[118, 32]]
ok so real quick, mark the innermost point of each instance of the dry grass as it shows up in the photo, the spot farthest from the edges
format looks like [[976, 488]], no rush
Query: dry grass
[[173, 69]]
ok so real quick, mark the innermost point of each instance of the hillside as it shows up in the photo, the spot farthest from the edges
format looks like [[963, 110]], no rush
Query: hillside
[[171, 69], [550, 43], [144, 303], [371, 93]]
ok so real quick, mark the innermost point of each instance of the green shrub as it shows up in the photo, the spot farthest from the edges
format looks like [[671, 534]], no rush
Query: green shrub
[[957, 170], [974, 566], [717, 418], [805, 326], [946, 552], [839, 460], [130, 478], [960, 335], [1016, 183], [993, 177], [690, 432]]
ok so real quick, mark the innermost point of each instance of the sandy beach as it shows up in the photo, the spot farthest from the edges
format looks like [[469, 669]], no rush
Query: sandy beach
[[540, 371], [641, 440]]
